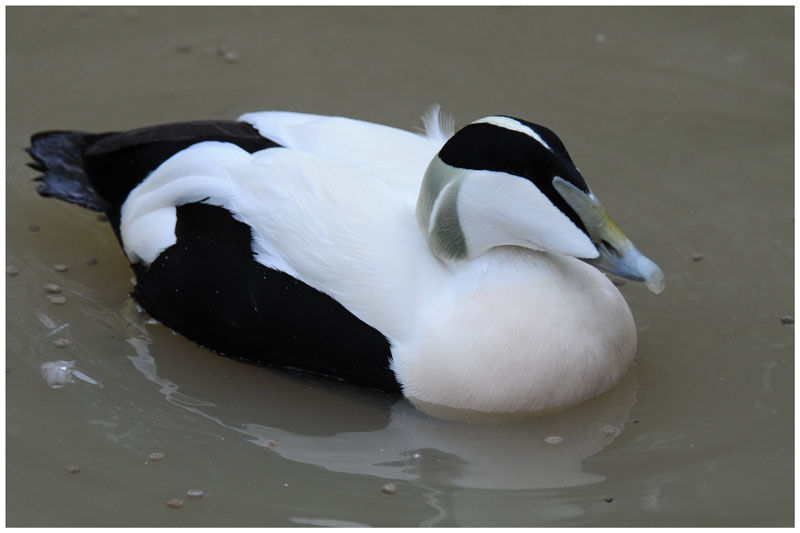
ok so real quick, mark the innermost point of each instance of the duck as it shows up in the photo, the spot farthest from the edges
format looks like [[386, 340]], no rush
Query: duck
[[461, 269]]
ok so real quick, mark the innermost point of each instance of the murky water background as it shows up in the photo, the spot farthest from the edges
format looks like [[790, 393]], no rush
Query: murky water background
[[681, 120]]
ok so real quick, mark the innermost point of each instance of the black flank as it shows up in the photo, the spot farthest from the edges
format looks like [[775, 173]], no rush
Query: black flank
[[244, 310]]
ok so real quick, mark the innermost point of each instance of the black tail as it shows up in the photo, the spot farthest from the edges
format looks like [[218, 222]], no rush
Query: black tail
[[98, 171], [59, 154]]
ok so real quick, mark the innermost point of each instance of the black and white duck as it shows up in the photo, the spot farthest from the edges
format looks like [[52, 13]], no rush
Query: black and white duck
[[459, 269]]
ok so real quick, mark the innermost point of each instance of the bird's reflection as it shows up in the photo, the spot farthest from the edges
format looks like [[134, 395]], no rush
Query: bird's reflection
[[506, 455], [405, 443]]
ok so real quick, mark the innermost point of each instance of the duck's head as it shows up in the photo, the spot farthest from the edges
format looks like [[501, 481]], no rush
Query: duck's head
[[505, 181]]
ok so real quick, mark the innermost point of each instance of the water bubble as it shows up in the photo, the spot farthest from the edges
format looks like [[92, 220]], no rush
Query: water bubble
[[156, 456], [52, 288], [554, 440], [174, 503], [610, 430]]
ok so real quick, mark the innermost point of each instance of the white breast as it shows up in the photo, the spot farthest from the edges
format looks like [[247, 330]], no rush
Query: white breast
[[517, 330]]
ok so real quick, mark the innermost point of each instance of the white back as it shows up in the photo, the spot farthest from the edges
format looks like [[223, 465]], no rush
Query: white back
[[392, 155]]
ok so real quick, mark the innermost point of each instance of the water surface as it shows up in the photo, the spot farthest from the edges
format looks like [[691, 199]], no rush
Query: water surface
[[681, 121]]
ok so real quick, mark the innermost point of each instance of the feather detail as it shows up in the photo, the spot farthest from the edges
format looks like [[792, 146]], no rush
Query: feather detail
[[439, 126]]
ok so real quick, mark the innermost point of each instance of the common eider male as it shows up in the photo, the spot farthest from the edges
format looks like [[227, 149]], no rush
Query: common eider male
[[459, 269]]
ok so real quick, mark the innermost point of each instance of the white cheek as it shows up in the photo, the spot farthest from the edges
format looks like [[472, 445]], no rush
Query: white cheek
[[511, 210]]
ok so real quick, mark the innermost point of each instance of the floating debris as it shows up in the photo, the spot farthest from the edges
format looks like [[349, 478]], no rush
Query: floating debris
[[389, 488], [608, 500], [183, 48], [34, 227], [58, 373], [156, 456], [230, 57], [610, 430], [696, 257], [83, 377], [90, 261], [52, 288], [787, 320], [195, 493], [60, 268], [11, 271], [554, 440], [174, 503], [62, 342], [57, 299], [72, 469]]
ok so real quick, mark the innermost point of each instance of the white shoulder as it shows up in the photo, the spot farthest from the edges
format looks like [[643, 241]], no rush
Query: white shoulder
[[393, 155], [335, 137], [352, 238]]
